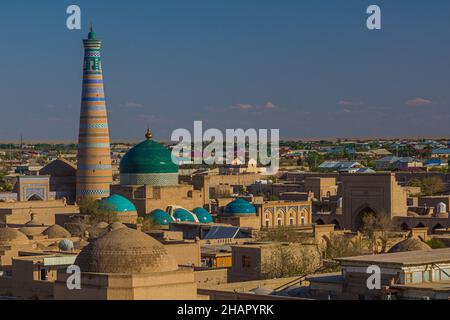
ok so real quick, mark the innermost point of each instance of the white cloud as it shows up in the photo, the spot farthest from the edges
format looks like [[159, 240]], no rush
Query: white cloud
[[132, 104], [247, 106], [419, 102], [347, 103]]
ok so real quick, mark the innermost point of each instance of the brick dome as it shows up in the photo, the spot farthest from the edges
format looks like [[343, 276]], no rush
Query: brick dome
[[12, 236], [410, 245], [125, 251], [56, 231]]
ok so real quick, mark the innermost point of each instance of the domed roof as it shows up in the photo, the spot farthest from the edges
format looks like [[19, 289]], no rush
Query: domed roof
[[66, 245], [116, 226], [34, 222], [240, 207], [31, 231], [203, 215], [148, 157], [118, 203], [125, 251], [80, 244], [262, 291], [56, 231], [12, 236], [410, 245], [183, 215], [95, 232], [102, 225], [161, 217]]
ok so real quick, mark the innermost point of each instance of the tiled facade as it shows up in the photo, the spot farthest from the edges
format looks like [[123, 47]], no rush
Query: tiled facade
[[94, 173]]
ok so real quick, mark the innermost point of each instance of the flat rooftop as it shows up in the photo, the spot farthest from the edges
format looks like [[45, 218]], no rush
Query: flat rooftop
[[410, 258], [443, 286]]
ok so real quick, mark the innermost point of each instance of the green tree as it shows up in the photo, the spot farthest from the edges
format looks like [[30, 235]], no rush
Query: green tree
[[341, 247], [4, 185], [436, 243], [432, 186], [429, 186], [97, 211], [287, 262], [314, 160], [377, 228], [147, 224]]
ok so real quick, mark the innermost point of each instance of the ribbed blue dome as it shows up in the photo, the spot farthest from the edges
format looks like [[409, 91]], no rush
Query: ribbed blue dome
[[161, 217], [66, 245], [183, 215], [119, 204], [240, 207], [203, 215]]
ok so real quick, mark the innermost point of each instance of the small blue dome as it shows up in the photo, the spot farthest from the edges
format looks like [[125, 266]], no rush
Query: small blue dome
[[119, 204], [203, 215], [184, 215], [161, 217], [66, 245], [240, 207]]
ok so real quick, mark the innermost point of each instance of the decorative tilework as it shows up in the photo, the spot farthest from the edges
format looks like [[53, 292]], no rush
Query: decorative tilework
[[94, 125], [93, 180], [94, 167], [93, 192], [153, 179]]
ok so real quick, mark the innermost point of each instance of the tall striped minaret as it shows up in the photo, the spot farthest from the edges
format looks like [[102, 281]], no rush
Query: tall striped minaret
[[94, 172]]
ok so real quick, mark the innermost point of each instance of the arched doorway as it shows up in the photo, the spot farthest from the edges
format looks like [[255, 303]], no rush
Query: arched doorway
[[438, 226], [35, 197], [337, 226], [404, 226], [364, 214], [420, 225], [320, 222]]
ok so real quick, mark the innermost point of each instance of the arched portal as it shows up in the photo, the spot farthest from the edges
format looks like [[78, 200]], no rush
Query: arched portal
[[337, 226], [364, 214], [438, 226], [35, 197], [320, 222], [404, 226], [420, 225]]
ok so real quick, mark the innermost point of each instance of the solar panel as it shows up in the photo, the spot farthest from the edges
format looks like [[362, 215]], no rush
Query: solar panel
[[222, 232]]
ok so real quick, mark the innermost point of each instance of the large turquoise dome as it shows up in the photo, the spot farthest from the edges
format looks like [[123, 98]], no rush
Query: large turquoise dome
[[240, 207], [148, 163], [203, 215], [161, 217], [184, 215], [118, 204]]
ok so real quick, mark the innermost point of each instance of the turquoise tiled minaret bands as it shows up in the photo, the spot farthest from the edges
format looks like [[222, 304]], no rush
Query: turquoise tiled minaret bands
[[94, 172]]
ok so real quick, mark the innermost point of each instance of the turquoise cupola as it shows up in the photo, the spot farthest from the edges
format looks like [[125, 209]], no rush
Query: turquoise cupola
[[240, 207], [148, 163], [119, 204], [184, 216], [203, 215], [161, 217]]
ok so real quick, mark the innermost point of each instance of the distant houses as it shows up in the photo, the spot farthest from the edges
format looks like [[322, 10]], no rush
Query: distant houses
[[440, 153], [398, 163], [340, 166]]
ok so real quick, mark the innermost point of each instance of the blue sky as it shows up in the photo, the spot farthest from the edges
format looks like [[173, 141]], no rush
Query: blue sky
[[310, 68]]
